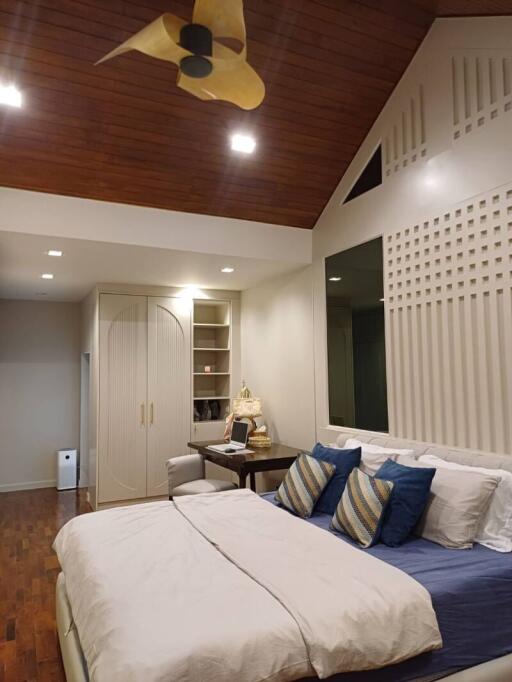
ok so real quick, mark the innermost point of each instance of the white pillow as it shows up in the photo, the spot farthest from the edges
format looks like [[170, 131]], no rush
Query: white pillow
[[495, 528], [374, 456]]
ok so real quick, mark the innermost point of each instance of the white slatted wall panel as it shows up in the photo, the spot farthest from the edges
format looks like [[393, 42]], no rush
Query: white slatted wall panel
[[481, 88], [405, 141], [448, 291]]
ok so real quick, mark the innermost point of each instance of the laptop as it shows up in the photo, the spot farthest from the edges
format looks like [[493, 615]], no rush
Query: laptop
[[239, 435]]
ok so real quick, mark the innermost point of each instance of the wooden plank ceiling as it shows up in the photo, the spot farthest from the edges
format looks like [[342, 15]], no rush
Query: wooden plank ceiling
[[123, 132]]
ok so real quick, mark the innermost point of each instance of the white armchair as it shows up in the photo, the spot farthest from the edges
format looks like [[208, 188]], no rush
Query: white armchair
[[186, 476]]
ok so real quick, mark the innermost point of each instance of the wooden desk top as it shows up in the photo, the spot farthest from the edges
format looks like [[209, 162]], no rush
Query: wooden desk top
[[275, 452]]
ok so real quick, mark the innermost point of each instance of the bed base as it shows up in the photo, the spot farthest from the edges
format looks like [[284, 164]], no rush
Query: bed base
[[73, 659], [75, 666]]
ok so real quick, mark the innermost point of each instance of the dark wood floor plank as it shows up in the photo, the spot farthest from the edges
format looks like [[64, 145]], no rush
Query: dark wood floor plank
[[29, 521]]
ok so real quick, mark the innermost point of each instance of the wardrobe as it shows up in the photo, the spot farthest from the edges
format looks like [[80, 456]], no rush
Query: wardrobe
[[144, 381]]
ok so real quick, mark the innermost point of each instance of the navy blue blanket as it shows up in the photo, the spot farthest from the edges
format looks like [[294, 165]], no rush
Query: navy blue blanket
[[471, 593]]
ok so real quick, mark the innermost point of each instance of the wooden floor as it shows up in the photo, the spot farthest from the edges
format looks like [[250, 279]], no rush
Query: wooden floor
[[29, 521]]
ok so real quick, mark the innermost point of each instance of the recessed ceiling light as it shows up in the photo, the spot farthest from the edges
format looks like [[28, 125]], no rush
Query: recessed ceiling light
[[335, 279], [245, 144], [228, 270], [54, 252], [47, 275], [10, 95]]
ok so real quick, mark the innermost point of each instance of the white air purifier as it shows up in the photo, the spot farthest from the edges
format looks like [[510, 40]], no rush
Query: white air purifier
[[66, 469]]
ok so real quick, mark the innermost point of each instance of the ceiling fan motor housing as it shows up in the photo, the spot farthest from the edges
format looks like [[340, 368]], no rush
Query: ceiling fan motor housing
[[197, 39]]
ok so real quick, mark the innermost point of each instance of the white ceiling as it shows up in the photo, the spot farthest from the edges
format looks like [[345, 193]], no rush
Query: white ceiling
[[103, 221], [23, 259]]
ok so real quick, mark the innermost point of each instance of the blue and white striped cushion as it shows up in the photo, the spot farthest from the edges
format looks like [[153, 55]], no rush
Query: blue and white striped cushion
[[303, 484], [361, 508]]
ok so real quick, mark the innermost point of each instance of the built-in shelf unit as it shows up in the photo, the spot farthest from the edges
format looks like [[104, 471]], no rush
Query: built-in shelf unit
[[211, 360], [148, 349]]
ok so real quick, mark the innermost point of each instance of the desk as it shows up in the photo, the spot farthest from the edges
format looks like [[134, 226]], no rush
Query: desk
[[275, 457]]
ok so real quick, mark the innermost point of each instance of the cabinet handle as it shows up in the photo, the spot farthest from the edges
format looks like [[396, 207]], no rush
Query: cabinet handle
[[142, 414], [151, 414]]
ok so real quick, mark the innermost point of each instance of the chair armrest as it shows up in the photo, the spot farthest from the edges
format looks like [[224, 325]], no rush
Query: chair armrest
[[184, 469]]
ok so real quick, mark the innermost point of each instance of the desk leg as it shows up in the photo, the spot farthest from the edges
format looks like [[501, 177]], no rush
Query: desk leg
[[241, 480], [252, 479]]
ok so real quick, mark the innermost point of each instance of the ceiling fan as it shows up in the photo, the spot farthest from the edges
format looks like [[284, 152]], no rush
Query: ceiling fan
[[208, 68]]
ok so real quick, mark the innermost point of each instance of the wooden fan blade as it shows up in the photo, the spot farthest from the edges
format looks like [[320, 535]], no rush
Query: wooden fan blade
[[225, 19], [158, 39], [241, 86]]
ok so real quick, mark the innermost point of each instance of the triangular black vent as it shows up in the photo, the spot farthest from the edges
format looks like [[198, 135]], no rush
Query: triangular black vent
[[370, 177]]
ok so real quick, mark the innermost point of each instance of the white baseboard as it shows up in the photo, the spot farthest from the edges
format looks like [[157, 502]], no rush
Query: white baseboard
[[31, 485]]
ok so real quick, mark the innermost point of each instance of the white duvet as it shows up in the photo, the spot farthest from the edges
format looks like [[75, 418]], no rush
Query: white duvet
[[226, 587]]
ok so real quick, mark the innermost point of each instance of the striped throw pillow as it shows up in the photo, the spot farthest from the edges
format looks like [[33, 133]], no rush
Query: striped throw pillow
[[303, 484], [361, 508]]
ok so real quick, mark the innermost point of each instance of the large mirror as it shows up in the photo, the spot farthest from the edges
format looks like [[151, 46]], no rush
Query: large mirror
[[355, 338]]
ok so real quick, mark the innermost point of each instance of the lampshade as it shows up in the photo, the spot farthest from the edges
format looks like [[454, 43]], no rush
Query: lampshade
[[245, 405]]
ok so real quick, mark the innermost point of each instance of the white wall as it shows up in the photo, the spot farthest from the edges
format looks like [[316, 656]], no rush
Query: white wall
[[447, 142], [89, 333], [444, 210], [277, 353], [39, 389]]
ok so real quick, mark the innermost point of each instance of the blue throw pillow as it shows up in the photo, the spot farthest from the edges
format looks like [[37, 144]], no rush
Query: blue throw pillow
[[410, 495], [344, 461]]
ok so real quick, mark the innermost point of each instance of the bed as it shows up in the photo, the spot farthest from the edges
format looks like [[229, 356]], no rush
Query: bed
[[472, 597], [476, 631]]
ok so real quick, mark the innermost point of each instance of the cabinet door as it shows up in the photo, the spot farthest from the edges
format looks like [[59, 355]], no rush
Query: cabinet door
[[169, 386], [123, 386]]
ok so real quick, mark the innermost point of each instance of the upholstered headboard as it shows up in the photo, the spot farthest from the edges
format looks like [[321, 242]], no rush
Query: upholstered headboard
[[469, 457]]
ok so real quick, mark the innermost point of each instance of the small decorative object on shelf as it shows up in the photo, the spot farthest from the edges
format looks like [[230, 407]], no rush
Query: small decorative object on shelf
[[215, 409], [207, 410], [207, 369], [206, 413]]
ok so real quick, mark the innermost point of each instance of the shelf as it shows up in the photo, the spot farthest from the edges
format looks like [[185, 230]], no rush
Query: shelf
[[211, 348], [217, 362], [211, 335], [212, 313], [212, 397]]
